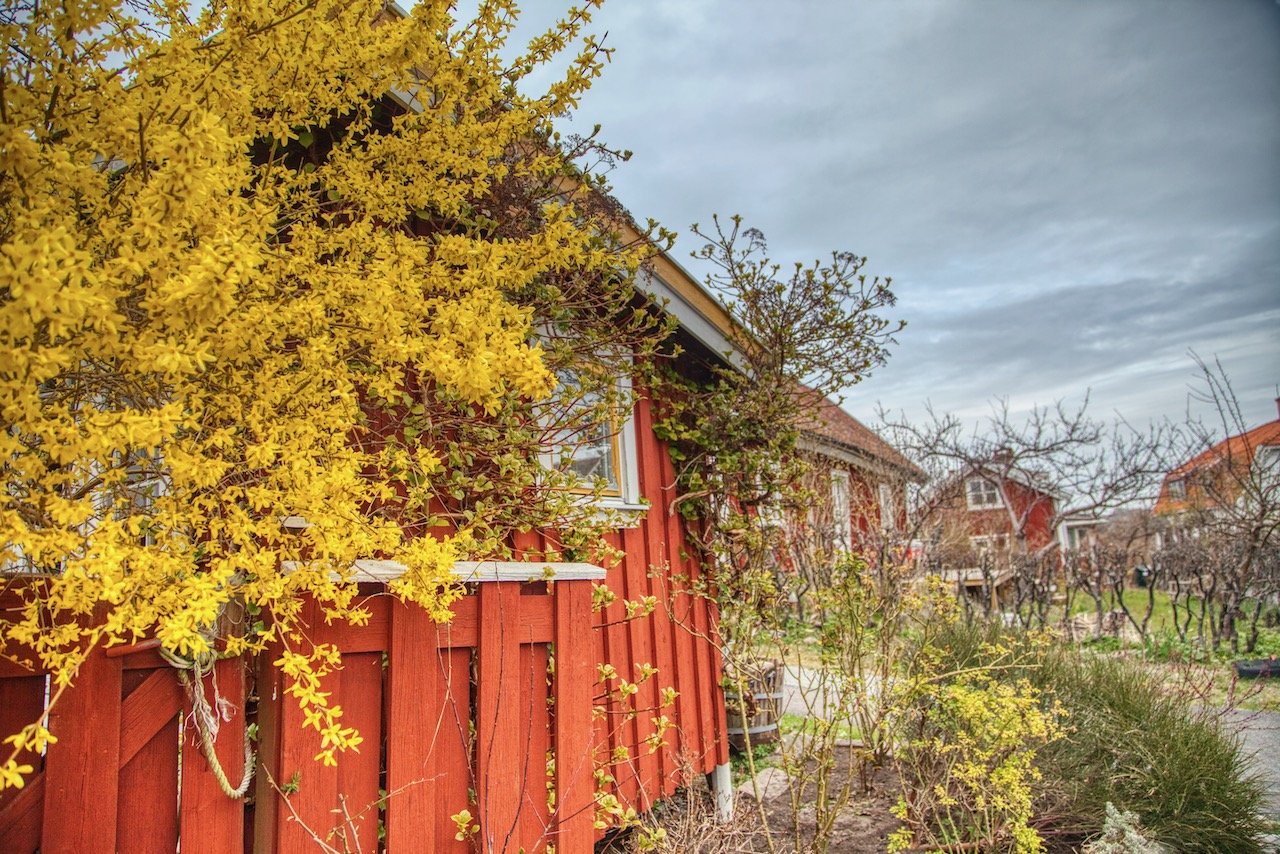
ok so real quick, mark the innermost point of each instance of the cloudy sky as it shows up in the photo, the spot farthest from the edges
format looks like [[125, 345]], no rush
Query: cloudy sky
[[1069, 196]]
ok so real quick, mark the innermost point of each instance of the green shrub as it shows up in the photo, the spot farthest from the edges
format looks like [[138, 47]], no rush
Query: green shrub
[[1129, 742]]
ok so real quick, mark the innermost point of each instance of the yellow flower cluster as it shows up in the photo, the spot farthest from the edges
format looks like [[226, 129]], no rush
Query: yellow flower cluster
[[230, 235]]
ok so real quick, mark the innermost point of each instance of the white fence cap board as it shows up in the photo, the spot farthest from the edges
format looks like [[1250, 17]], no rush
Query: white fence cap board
[[468, 571]]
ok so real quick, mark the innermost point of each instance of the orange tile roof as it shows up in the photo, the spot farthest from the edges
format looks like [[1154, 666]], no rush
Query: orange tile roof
[[1239, 449]]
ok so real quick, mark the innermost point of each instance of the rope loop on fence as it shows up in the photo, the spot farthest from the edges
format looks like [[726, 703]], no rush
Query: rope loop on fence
[[207, 718]]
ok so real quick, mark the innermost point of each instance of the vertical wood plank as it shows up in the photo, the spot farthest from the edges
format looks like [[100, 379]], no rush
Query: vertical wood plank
[[82, 770], [451, 753], [645, 700], [211, 822], [535, 742], [684, 629], [497, 721], [705, 678], [623, 727], [147, 812], [267, 807], [574, 678], [658, 562], [355, 802], [21, 810], [413, 716], [21, 703], [719, 734]]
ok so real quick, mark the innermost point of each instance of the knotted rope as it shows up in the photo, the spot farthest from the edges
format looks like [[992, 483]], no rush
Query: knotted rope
[[207, 721]]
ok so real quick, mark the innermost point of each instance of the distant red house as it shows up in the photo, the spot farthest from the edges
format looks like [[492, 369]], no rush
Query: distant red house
[[998, 505], [984, 515]]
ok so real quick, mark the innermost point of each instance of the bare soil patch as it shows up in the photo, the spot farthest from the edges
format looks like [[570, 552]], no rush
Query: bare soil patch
[[689, 822]]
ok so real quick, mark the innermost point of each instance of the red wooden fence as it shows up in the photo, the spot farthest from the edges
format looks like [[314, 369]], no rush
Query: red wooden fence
[[454, 717], [123, 775]]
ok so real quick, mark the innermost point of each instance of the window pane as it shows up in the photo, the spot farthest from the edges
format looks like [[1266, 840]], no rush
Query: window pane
[[592, 448], [594, 455]]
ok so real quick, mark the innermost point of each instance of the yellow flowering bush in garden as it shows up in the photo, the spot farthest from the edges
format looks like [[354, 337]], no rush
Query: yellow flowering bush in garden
[[969, 769], [270, 275]]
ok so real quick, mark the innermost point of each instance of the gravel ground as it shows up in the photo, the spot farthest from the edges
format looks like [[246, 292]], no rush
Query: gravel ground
[[1260, 734]]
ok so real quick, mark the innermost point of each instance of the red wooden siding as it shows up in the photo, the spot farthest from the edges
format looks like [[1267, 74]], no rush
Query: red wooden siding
[[679, 639]]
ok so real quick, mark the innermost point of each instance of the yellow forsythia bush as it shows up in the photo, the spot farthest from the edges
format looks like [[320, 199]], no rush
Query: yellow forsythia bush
[[969, 770], [238, 241]]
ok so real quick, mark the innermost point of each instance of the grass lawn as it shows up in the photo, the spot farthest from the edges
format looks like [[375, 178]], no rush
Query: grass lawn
[[1137, 601]]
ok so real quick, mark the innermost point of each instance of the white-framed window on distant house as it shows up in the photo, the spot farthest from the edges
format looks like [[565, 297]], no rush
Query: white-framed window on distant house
[[1267, 463], [982, 494], [1178, 489], [841, 510], [598, 453], [888, 508]]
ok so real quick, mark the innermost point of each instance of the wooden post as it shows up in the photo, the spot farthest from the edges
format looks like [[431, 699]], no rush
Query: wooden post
[[497, 716]]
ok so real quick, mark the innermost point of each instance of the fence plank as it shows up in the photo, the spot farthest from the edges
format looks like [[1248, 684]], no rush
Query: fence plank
[[452, 770], [574, 680], [267, 808], [20, 818], [497, 715], [22, 703], [535, 741], [147, 814], [357, 779], [211, 822], [82, 776], [150, 707], [412, 693]]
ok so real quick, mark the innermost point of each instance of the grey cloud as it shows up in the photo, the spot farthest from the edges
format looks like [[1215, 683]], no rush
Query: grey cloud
[[1068, 195]]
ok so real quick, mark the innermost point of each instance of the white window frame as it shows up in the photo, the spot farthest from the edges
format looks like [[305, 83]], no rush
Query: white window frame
[[987, 543], [1178, 489], [1266, 461], [626, 460], [989, 489], [841, 509], [888, 509]]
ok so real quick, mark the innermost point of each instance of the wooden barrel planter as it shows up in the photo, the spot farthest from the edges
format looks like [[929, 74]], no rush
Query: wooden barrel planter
[[762, 706]]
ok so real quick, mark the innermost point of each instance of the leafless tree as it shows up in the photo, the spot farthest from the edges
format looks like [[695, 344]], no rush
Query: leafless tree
[[1094, 466], [1222, 553]]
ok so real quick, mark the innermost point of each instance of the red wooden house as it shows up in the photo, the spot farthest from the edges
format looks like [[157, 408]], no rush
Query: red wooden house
[[863, 478], [513, 727], [983, 515]]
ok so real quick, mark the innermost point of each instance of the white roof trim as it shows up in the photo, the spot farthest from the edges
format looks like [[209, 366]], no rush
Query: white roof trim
[[691, 319], [467, 571]]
